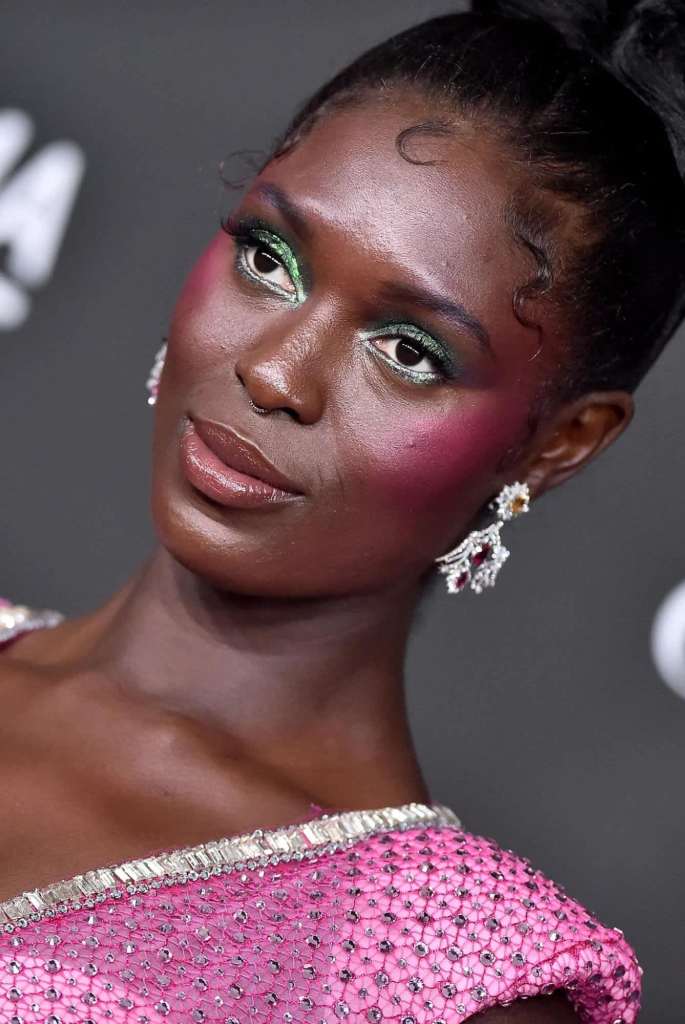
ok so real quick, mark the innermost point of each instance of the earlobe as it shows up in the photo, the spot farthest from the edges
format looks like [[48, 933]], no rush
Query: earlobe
[[578, 433]]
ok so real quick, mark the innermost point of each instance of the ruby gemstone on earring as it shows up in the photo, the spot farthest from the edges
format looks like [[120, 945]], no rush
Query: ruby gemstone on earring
[[481, 555]]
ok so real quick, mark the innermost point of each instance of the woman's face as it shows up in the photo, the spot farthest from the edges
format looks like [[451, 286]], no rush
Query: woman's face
[[365, 301]]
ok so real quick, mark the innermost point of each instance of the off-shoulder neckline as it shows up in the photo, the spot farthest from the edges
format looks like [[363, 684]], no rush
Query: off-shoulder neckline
[[295, 841], [246, 851]]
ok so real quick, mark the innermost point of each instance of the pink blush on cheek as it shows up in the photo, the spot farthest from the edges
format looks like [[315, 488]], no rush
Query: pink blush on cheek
[[208, 269], [440, 458]]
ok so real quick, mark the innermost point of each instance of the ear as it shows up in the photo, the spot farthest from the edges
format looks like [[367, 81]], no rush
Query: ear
[[575, 435]]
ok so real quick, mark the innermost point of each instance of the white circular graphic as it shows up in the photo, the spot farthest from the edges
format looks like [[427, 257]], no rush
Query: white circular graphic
[[668, 640]]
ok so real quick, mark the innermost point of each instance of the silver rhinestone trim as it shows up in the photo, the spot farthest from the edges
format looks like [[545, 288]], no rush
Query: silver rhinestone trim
[[17, 618], [251, 850]]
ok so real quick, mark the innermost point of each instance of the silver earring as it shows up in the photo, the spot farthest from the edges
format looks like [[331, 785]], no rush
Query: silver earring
[[479, 558], [152, 383]]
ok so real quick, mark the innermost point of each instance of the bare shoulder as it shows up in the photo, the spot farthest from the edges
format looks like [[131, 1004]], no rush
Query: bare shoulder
[[554, 1009]]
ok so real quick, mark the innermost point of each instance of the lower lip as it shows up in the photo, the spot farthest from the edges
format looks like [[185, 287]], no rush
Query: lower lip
[[213, 478]]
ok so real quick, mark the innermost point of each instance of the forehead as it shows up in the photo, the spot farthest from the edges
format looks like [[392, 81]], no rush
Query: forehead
[[446, 217]]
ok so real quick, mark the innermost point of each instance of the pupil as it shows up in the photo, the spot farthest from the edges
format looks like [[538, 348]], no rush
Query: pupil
[[408, 354], [264, 262]]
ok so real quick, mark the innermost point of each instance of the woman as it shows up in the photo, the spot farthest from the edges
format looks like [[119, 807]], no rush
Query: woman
[[432, 305]]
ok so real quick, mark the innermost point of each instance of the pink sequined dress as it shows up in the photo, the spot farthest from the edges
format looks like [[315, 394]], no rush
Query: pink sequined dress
[[395, 914]]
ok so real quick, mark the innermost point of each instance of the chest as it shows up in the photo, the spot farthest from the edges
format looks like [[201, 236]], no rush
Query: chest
[[90, 781]]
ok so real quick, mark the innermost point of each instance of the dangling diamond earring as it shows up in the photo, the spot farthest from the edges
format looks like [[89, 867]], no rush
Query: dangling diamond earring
[[152, 383], [479, 558]]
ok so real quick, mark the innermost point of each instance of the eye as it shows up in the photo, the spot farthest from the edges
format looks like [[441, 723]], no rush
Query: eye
[[408, 353], [264, 264], [412, 353], [265, 257]]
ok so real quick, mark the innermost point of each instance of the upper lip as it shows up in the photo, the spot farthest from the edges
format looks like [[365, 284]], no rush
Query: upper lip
[[238, 453]]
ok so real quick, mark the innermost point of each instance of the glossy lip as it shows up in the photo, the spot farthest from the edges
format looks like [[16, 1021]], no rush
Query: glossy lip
[[238, 453]]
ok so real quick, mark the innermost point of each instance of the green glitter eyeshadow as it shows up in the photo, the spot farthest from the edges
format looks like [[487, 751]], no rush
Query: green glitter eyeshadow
[[440, 353], [286, 255]]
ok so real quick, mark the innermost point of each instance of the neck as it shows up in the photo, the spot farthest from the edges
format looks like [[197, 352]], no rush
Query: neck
[[308, 689]]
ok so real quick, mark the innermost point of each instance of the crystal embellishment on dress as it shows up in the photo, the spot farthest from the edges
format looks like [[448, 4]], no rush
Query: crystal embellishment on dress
[[251, 850], [19, 618], [390, 916], [423, 924]]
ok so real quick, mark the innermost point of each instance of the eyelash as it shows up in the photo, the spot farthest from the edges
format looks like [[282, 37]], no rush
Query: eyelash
[[250, 232], [427, 345]]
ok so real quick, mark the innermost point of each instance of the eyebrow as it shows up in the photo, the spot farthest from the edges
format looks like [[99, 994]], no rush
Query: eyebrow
[[391, 291], [281, 201]]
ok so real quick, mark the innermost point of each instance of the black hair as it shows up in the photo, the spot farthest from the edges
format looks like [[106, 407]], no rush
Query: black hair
[[587, 98]]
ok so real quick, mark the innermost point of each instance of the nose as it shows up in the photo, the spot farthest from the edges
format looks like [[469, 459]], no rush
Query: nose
[[282, 371]]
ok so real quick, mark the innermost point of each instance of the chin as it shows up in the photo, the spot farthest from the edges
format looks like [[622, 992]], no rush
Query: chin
[[205, 548]]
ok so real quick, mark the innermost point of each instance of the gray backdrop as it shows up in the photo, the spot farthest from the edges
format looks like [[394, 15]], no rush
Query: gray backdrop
[[538, 712]]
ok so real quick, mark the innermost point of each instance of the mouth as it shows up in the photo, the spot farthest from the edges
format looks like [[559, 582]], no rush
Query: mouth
[[230, 469]]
